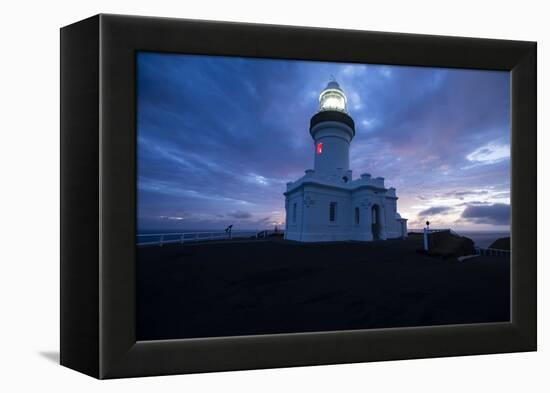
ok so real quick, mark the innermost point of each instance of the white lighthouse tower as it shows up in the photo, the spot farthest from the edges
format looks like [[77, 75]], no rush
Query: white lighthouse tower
[[332, 129], [327, 204]]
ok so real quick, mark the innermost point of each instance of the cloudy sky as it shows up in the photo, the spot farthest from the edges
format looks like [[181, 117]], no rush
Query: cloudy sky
[[219, 137]]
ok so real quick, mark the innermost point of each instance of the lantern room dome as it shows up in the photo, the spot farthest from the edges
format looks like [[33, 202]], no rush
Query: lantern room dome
[[333, 85], [333, 98]]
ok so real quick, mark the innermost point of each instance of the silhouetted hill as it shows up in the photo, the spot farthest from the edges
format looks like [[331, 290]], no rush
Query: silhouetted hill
[[447, 244], [501, 244]]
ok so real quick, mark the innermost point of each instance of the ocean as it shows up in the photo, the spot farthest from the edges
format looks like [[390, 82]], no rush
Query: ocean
[[483, 239]]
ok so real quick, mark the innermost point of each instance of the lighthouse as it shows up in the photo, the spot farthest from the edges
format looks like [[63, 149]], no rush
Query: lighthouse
[[327, 204], [332, 130]]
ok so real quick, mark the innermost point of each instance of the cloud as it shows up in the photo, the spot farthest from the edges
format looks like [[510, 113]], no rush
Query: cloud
[[490, 154], [240, 214], [386, 71], [461, 194], [171, 218], [496, 214], [474, 203], [204, 152], [435, 210]]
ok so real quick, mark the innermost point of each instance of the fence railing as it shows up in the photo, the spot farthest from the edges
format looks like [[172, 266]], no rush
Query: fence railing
[[159, 239], [479, 250], [421, 230], [494, 252]]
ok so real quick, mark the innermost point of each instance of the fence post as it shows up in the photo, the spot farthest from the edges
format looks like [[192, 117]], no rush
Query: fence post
[[425, 239]]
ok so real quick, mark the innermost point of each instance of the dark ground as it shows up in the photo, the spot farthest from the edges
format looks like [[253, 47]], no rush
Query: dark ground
[[263, 287]]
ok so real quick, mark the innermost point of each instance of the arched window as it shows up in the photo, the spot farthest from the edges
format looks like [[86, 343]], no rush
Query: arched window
[[357, 216]]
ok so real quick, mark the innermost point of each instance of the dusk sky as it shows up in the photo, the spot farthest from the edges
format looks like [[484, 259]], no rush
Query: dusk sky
[[219, 138]]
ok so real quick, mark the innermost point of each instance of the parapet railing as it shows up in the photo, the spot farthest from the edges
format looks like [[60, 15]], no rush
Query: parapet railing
[[159, 239]]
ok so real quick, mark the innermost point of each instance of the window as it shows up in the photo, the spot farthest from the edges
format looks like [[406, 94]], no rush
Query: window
[[357, 216], [332, 212], [294, 208], [320, 148]]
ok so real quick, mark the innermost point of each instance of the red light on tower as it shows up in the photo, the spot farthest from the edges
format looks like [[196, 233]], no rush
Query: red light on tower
[[319, 147]]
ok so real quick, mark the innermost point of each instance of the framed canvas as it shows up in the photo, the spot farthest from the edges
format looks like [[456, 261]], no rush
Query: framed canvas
[[239, 196]]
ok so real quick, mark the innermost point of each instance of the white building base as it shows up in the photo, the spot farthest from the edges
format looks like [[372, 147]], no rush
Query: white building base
[[324, 210]]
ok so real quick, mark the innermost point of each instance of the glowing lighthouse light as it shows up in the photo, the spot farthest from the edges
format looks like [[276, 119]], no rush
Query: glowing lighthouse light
[[320, 148], [332, 98]]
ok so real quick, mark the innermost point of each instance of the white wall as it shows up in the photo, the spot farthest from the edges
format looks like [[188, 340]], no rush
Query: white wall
[[318, 226], [334, 157], [294, 221], [29, 165], [312, 222]]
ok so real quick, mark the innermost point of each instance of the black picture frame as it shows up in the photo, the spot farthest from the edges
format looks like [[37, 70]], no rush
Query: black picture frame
[[98, 196]]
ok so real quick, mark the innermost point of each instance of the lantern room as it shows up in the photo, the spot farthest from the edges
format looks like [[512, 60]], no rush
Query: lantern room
[[332, 98]]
